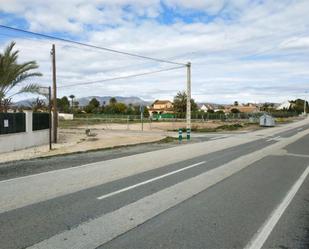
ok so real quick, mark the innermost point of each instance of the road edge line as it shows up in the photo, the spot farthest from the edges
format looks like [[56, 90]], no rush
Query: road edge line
[[265, 230]]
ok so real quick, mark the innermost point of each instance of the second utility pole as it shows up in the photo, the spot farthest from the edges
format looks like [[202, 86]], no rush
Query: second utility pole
[[55, 114], [305, 103], [188, 115]]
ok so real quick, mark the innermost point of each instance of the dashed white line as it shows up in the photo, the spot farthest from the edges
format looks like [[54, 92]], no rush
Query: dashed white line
[[215, 138], [263, 233], [271, 139], [148, 181]]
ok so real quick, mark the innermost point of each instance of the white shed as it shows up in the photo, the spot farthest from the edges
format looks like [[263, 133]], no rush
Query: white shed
[[267, 121]]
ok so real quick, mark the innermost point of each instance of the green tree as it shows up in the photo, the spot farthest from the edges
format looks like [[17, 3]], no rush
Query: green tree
[[268, 107], [93, 106], [120, 108], [116, 108], [94, 102], [235, 110], [130, 109], [137, 110], [63, 104], [112, 101], [298, 105], [89, 108], [146, 112], [219, 112], [12, 74], [180, 103]]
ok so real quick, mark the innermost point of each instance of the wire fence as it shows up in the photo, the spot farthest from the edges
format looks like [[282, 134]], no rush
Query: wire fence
[[134, 122], [182, 116]]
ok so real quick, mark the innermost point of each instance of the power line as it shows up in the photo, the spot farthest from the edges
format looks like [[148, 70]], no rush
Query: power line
[[40, 42], [90, 45], [120, 78], [75, 47]]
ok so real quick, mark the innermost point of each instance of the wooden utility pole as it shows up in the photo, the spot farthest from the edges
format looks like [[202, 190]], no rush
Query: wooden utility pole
[[188, 114], [305, 103], [55, 113], [50, 118]]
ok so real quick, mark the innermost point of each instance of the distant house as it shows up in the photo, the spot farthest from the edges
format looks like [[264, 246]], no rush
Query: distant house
[[251, 108], [161, 107], [284, 106], [206, 107]]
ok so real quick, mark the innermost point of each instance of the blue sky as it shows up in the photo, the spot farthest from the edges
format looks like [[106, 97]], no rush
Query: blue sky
[[249, 51]]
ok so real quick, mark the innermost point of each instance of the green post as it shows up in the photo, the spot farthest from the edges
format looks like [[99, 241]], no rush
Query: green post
[[188, 134], [179, 135]]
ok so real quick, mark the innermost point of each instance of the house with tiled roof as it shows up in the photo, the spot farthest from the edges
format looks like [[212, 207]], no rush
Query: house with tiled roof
[[161, 107], [250, 108]]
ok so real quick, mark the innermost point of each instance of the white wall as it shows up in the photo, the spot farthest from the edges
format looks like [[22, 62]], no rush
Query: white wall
[[65, 116], [22, 140]]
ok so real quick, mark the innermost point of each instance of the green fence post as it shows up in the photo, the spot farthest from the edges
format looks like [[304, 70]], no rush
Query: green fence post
[[179, 135], [188, 134]]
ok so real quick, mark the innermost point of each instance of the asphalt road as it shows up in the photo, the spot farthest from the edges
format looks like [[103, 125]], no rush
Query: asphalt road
[[212, 199], [38, 165]]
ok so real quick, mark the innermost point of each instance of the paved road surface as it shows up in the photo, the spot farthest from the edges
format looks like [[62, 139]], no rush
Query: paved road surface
[[244, 191], [39, 165]]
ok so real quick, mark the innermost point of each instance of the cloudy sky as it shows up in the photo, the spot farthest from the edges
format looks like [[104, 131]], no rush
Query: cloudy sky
[[245, 50]]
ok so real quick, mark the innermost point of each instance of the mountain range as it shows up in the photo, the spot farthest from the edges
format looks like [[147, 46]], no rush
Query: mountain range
[[85, 100], [105, 99]]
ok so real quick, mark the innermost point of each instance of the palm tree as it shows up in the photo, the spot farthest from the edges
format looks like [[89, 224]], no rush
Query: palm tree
[[112, 101], [72, 101], [12, 74]]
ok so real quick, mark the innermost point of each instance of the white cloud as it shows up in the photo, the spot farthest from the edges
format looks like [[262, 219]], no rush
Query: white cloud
[[250, 51], [296, 43]]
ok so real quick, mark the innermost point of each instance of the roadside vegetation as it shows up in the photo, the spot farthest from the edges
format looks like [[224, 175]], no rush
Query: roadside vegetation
[[85, 121], [220, 128], [13, 74]]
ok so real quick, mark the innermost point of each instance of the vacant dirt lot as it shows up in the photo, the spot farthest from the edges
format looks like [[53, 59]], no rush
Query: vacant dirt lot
[[155, 126]]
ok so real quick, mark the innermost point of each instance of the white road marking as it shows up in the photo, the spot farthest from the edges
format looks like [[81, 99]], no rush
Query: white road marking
[[214, 138], [219, 137], [51, 171], [263, 233], [297, 155], [148, 181], [274, 138]]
